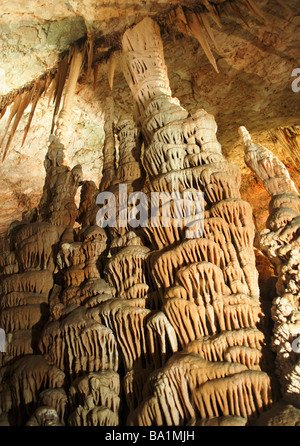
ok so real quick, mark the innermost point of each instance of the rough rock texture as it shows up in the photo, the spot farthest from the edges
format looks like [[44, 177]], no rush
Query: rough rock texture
[[255, 65], [166, 324], [280, 242], [281, 414], [208, 284]]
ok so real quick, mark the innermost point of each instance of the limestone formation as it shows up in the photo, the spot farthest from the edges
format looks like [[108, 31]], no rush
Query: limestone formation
[[208, 284], [26, 378], [280, 242], [61, 183], [88, 209], [94, 399], [109, 167], [28, 263], [189, 386], [157, 319], [126, 270]]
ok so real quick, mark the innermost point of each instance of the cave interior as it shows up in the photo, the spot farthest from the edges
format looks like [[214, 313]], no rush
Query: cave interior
[[150, 213]]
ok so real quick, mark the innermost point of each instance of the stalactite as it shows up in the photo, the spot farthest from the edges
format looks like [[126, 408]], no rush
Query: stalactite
[[90, 53], [111, 69], [64, 116], [60, 80], [193, 20], [254, 9], [20, 103], [40, 89], [96, 69], [71, 63]]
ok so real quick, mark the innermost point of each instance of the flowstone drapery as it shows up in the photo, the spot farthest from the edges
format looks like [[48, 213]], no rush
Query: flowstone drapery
[[280, 242]]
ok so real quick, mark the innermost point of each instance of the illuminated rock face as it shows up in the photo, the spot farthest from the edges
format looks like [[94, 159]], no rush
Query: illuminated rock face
[[34, 34], [208, 285], [167, 317], [28, 258]]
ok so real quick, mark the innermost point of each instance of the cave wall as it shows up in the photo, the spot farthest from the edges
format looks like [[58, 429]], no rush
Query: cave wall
[[141, 326]]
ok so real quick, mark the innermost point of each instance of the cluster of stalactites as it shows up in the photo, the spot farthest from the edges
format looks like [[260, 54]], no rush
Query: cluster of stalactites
[[280, 242]]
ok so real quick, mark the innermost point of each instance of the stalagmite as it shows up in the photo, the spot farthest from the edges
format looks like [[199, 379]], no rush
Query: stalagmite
[[61, 183], [280, 242], [78, 343], [29, 260], [26, 378], [28, 283], [209, 284], [87, 208], [162, 339], [189, 386], [95, 399], [127, 321], [44, 416], [156, 320], [268, 167], [127, 269], [57, 399]]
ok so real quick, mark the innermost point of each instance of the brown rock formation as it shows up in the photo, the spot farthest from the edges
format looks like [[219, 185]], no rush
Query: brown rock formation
[[151, 321], [209, 285], [280, 242]]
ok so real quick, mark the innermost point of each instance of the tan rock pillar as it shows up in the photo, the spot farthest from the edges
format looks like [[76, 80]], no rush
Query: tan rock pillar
[[65, 113], [280, 242]]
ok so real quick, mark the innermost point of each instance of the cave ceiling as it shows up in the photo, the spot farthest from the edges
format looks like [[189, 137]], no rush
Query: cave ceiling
[[255, 52]]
